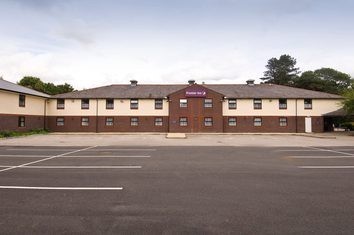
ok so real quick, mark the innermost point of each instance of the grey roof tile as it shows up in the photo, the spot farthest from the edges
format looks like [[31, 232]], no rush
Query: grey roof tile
[[9, 86]]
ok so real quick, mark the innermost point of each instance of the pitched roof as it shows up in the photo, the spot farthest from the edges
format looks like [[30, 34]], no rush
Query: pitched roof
[[9, 86], [229, 90]]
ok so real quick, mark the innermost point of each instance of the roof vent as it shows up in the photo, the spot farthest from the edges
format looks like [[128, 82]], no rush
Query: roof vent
[[191, 82], [250, 82], [133, 82]]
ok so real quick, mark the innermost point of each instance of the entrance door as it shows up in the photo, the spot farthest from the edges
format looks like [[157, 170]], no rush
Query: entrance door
[[308, 124]]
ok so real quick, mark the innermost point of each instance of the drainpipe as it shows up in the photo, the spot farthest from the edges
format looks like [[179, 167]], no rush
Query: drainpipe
[[296, 115], [96, 115], [45, 114]]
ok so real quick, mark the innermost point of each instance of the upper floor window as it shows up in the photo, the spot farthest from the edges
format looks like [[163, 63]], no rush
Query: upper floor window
[[308, 103], [109, 103], [85, 103], [21, 121], [60, 103], [183, 103], [208, 103], [257, 121], [283, 104], [208, 121], [257, 103], [232, 103], [158, 104], [134, 104], [22, 100]]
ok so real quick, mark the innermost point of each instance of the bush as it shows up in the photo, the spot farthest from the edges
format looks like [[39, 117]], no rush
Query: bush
[[347, 126]]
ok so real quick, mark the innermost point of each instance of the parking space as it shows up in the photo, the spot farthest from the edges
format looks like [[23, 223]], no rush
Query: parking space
[[176, 190]]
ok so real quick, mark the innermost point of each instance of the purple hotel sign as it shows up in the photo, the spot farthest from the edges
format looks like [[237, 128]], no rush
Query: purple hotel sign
[[196, 92]]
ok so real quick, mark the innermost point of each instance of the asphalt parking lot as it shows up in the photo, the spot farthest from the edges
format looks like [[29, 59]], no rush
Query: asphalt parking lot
[[176, 190]]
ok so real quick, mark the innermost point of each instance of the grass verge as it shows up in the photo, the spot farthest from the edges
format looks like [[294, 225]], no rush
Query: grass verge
[[6, 134]]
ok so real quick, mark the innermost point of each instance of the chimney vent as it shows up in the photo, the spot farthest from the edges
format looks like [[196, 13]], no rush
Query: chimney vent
[[250, 82], [191, 82], [133, 82]]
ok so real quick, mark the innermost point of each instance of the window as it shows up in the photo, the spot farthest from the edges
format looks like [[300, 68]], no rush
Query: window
[[257, 103], [85, 103], [183, 103], [109, 103], [109, 121], [257, 121], [283, 121], [208, 103], [60, 103], [84, 121], [183, 121], [208, 121], [232, 121], [21, 121], [134, 104], [283, 104], [232, 104], [60, 121], [134, 121], [158, 121], [158, 104], [22, 100], [308, 103]]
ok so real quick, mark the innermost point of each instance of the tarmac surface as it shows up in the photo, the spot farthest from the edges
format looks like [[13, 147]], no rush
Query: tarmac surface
[[176, 189]]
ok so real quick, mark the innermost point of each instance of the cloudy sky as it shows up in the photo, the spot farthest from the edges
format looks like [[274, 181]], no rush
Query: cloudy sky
[[89, 43]]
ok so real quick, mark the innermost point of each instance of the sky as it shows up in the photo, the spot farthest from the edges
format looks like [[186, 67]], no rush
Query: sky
[[90, 43]]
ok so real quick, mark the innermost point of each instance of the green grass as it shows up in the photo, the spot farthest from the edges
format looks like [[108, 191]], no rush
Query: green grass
[[5, 134]]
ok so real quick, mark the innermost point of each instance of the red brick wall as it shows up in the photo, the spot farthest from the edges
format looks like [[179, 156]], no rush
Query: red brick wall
[[10, 122]]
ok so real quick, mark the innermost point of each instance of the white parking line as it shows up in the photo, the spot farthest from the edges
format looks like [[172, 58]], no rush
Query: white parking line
[[318, 157], [296, 150], [329, 150], [35, 150], [77, 167], [326, 167], [98, 149], [8, 155], [107, 156], [45, 159], [61, 188]]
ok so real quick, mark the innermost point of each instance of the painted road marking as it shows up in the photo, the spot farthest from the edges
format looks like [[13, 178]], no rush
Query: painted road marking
[[99, 149], [61, 188], [30, 149], [45, 159], [326, 167], [7, 155], [106, 156], [318, 157], [329, 150], [76, 167], [296, 150]]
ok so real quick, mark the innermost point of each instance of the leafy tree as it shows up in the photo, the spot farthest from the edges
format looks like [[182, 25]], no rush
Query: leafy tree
[[48, 88], [324, 79], [281, 71], [348, 103]]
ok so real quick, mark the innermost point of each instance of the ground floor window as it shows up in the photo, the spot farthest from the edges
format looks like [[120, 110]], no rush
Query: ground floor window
[[84, 121], [109, 121], [232, 121], [283, 121], [183, 121], [21, 121], [158, 121], [208, 121], [60, 121], [257, 121], [134, 121]]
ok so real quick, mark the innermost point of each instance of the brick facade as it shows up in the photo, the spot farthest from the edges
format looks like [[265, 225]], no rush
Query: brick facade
[[9, 122]]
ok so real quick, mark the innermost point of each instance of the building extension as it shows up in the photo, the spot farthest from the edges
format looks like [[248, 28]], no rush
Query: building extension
[[170, 108]]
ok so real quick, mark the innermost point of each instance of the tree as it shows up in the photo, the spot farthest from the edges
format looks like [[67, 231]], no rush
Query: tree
[[281, 71], [48, 88], [348, 103], [324, 79]]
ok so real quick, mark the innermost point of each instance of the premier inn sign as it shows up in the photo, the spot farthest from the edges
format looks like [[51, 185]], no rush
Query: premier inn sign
[[197, 92]]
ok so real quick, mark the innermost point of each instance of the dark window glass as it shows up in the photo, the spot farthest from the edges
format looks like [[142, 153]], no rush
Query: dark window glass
[[283, 121], [308, 103], [84, 121], [257, 103], [208, 121], [232, 104], [183, 103], [22, 100], [21, 121], [232, 121], [283, 104], [85, 103], [208, 103], [158, 104], [134, 121], [134, 104], [183, 121], [257, 121], [109, 103], [60, 103], [109, 121], [60, 121], [158, 121]]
